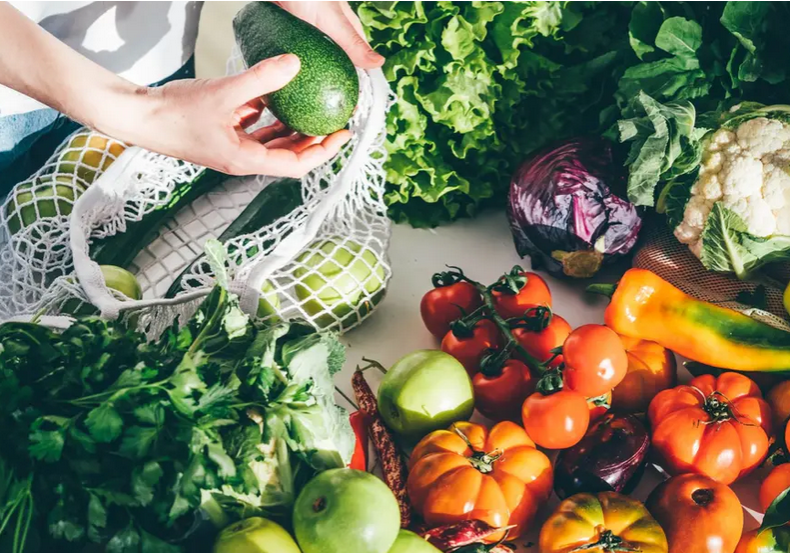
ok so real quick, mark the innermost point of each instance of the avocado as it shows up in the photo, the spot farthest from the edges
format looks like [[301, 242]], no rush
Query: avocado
[[322, 97]]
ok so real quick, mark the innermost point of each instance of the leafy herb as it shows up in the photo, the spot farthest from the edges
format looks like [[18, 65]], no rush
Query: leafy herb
[[120, 442]]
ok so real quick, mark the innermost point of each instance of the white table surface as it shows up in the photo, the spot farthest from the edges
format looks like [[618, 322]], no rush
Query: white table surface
[[483, 247]]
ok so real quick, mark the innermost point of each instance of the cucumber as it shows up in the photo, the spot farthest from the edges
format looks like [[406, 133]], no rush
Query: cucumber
[[321, 98], [276, 200], [120, 249]]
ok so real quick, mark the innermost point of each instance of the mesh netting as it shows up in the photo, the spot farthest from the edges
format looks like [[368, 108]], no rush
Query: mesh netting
[[661, 253], [326, 261]]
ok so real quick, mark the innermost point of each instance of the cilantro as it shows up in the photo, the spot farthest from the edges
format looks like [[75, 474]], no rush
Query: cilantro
[[116, 440]]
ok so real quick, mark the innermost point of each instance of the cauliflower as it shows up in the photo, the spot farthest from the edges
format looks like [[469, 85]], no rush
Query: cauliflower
[[746, 169]]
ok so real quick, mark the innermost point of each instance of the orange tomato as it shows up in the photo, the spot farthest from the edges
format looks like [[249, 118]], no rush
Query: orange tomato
[[469, 472], [779, 400], [773, 540], [718, 427], [556, 421], [533, 294], [775, 483], [599, 406], [651, 369], [595, 360], [698, 514], [540, 343]]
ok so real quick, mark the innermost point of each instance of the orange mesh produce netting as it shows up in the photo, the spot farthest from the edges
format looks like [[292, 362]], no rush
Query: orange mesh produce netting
[[660, 252]]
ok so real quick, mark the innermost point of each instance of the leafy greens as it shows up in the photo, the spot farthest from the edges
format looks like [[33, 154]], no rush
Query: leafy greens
[[113, 440]]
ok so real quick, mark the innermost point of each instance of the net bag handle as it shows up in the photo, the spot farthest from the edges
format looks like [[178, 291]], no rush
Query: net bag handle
[[112, 186], [295, 242]]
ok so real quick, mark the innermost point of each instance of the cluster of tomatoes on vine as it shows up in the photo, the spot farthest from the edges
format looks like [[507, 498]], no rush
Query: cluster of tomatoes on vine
[[525, 361]]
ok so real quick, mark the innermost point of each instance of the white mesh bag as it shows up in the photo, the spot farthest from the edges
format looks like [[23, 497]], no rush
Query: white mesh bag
[[325, 261]]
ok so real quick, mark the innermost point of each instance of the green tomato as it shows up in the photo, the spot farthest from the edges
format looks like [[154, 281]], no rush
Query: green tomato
[[345, 510], [340, 278], [269, 302], [255, 535], [424, 391], [409, 542]]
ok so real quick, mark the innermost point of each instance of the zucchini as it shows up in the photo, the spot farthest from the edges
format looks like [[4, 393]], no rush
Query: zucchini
[[276, 200], [120, 249]]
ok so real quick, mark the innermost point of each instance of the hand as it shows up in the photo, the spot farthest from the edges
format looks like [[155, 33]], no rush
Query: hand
[[199, 120], [342, 25]]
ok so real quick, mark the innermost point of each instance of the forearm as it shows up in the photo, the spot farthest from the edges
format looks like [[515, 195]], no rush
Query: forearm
[[37, 64]]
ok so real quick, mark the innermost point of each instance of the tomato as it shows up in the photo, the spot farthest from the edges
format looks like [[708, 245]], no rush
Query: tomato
[[540, 343], [651, 368], [599, 406], [779, 400], [595, 360], [773, 540], [500, 396], [534, 293], [774, 484], [609, 520], [443, 305], [556, 421], [718, 427], [697, 512], [470, 350], [469, 472]]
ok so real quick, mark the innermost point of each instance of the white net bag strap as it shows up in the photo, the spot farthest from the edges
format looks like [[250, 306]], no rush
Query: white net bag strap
[[137, 174], [280, 256]]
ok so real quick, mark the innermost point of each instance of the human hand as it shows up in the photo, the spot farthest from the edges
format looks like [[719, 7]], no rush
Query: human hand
[[342, 25], [204, 120]]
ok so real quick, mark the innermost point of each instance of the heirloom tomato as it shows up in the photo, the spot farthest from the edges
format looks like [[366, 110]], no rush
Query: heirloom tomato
[[469, 472], [602, 523], [718, 427]]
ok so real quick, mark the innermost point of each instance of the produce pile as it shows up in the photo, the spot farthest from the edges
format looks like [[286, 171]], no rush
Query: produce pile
[[691, 95]]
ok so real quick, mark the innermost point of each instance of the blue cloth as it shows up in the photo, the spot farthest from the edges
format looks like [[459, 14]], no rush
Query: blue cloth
[[28, 139]]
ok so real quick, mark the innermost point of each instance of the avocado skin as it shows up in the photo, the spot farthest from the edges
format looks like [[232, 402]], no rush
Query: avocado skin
[[321, 98]]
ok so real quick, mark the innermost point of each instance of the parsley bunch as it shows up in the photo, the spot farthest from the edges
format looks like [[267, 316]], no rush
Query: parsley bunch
[[112, 440]]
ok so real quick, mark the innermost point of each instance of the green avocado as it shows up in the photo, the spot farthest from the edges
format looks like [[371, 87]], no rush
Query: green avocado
[[321, 98]]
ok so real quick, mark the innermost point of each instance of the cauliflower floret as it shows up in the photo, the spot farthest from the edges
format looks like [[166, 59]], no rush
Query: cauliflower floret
[[761, 136], [749, 172]]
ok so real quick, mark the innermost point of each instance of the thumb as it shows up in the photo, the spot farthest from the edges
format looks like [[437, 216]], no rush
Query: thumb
[[260, 79]]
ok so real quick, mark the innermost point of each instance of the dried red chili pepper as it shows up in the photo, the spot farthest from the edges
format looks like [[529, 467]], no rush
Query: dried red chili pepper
[[460, 534], [392, 465]]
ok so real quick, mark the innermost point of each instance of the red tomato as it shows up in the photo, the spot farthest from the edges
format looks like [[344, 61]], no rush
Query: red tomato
[[539, 344], [595, 360], [470, 350], [534, 293], [499, 397], [718, 427], [556, 421], [441, 306], [599, 406]]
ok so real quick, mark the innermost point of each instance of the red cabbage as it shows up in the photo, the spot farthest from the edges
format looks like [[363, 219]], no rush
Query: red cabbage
[[566, 208]]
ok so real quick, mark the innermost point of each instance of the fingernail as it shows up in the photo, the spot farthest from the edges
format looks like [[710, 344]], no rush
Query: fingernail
[[288, 61]]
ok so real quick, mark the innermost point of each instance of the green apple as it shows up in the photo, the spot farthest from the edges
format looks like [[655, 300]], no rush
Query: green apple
[[425, 391], [269, 302], [344, 511], [338, 277], [255, 535], [409, 542]]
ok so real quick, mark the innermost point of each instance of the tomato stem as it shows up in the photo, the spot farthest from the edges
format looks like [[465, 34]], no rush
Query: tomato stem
[[480, 460], [608, 541], [607, 290]]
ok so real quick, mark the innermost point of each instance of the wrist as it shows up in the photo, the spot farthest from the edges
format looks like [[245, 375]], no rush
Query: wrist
[[122, 110]]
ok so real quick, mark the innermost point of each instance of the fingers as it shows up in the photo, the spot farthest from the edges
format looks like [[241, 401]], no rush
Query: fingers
[[266, 134], [254, 158], [343, 26], [263, 77]]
